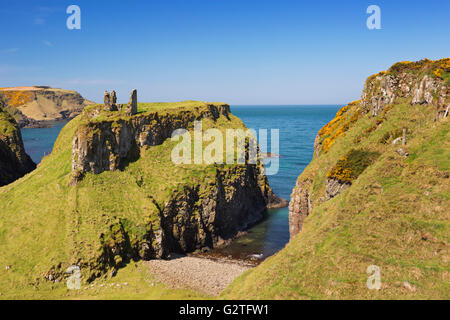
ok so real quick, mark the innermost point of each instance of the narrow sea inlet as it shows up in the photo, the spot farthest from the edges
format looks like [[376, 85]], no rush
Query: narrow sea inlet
[[298, 126]]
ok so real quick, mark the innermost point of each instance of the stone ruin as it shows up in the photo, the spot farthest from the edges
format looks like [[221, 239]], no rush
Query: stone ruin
[[110, 101]]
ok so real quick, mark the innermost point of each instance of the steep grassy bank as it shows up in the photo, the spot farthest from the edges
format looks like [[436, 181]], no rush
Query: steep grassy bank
[[368, 198]]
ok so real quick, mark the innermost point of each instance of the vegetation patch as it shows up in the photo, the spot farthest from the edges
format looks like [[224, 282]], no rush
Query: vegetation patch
[[17, 98], [349, 167], [338, 126], [420, 68]]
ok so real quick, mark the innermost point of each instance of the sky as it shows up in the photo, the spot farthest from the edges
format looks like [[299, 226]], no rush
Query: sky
[[239, 52]]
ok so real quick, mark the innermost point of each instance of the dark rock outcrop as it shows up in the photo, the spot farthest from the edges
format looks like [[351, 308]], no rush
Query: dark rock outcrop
[[231, 204], [108, 145], [401, 81], [299, 206], [334, 187], [14, 162]]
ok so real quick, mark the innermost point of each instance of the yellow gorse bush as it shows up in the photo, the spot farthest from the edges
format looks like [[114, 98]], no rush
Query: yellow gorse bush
[[438, 73], [337, 127], [17, 98]]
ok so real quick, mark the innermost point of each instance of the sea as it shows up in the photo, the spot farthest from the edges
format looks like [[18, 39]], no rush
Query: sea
[[297, 125]]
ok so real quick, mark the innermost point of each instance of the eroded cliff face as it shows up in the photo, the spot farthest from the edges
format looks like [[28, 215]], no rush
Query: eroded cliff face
[[212, 215], [420, 82], [14, 162], [424, 82], [108, 145], [34, 106]]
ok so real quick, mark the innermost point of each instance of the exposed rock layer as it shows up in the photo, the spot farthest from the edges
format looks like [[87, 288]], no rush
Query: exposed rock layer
[[108, 145], [14, 162], [385, 88]]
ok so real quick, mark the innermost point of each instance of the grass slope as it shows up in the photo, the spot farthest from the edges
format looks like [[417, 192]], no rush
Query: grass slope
[[395, 216]]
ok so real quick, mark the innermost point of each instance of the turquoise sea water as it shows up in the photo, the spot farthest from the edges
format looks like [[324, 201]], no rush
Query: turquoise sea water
[[39, 141], [298, 127]]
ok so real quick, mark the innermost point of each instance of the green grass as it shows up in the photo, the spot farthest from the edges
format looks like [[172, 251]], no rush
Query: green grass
[[395, 215]]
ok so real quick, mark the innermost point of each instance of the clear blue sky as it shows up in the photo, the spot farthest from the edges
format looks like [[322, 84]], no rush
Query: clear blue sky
[[240, 52]]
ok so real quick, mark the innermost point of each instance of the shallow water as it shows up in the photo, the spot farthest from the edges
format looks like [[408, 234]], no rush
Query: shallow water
[[298, 127]]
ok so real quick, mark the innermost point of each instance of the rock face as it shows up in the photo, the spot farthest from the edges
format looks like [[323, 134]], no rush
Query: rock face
[[299, 206], [200, 217], [334, 187], [233, 203], [108, 145], [34, 106], [14, 162], [131, 108], [414, 83], [400, 81]]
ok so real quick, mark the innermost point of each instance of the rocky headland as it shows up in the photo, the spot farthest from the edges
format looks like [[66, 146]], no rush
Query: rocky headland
[[36, 106]]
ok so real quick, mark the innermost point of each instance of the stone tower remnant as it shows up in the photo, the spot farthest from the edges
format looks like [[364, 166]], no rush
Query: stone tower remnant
[[110, 101], [131, 108]]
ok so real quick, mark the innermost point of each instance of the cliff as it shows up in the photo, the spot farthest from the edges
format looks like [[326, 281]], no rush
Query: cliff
[[14, 162], [375, 193], [109, 194], [424, 82], [34, 106]]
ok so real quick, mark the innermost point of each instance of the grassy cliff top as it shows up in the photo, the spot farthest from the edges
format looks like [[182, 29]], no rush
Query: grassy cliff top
[[434, 68], [162, 106], [35, 88], [149, 108]]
